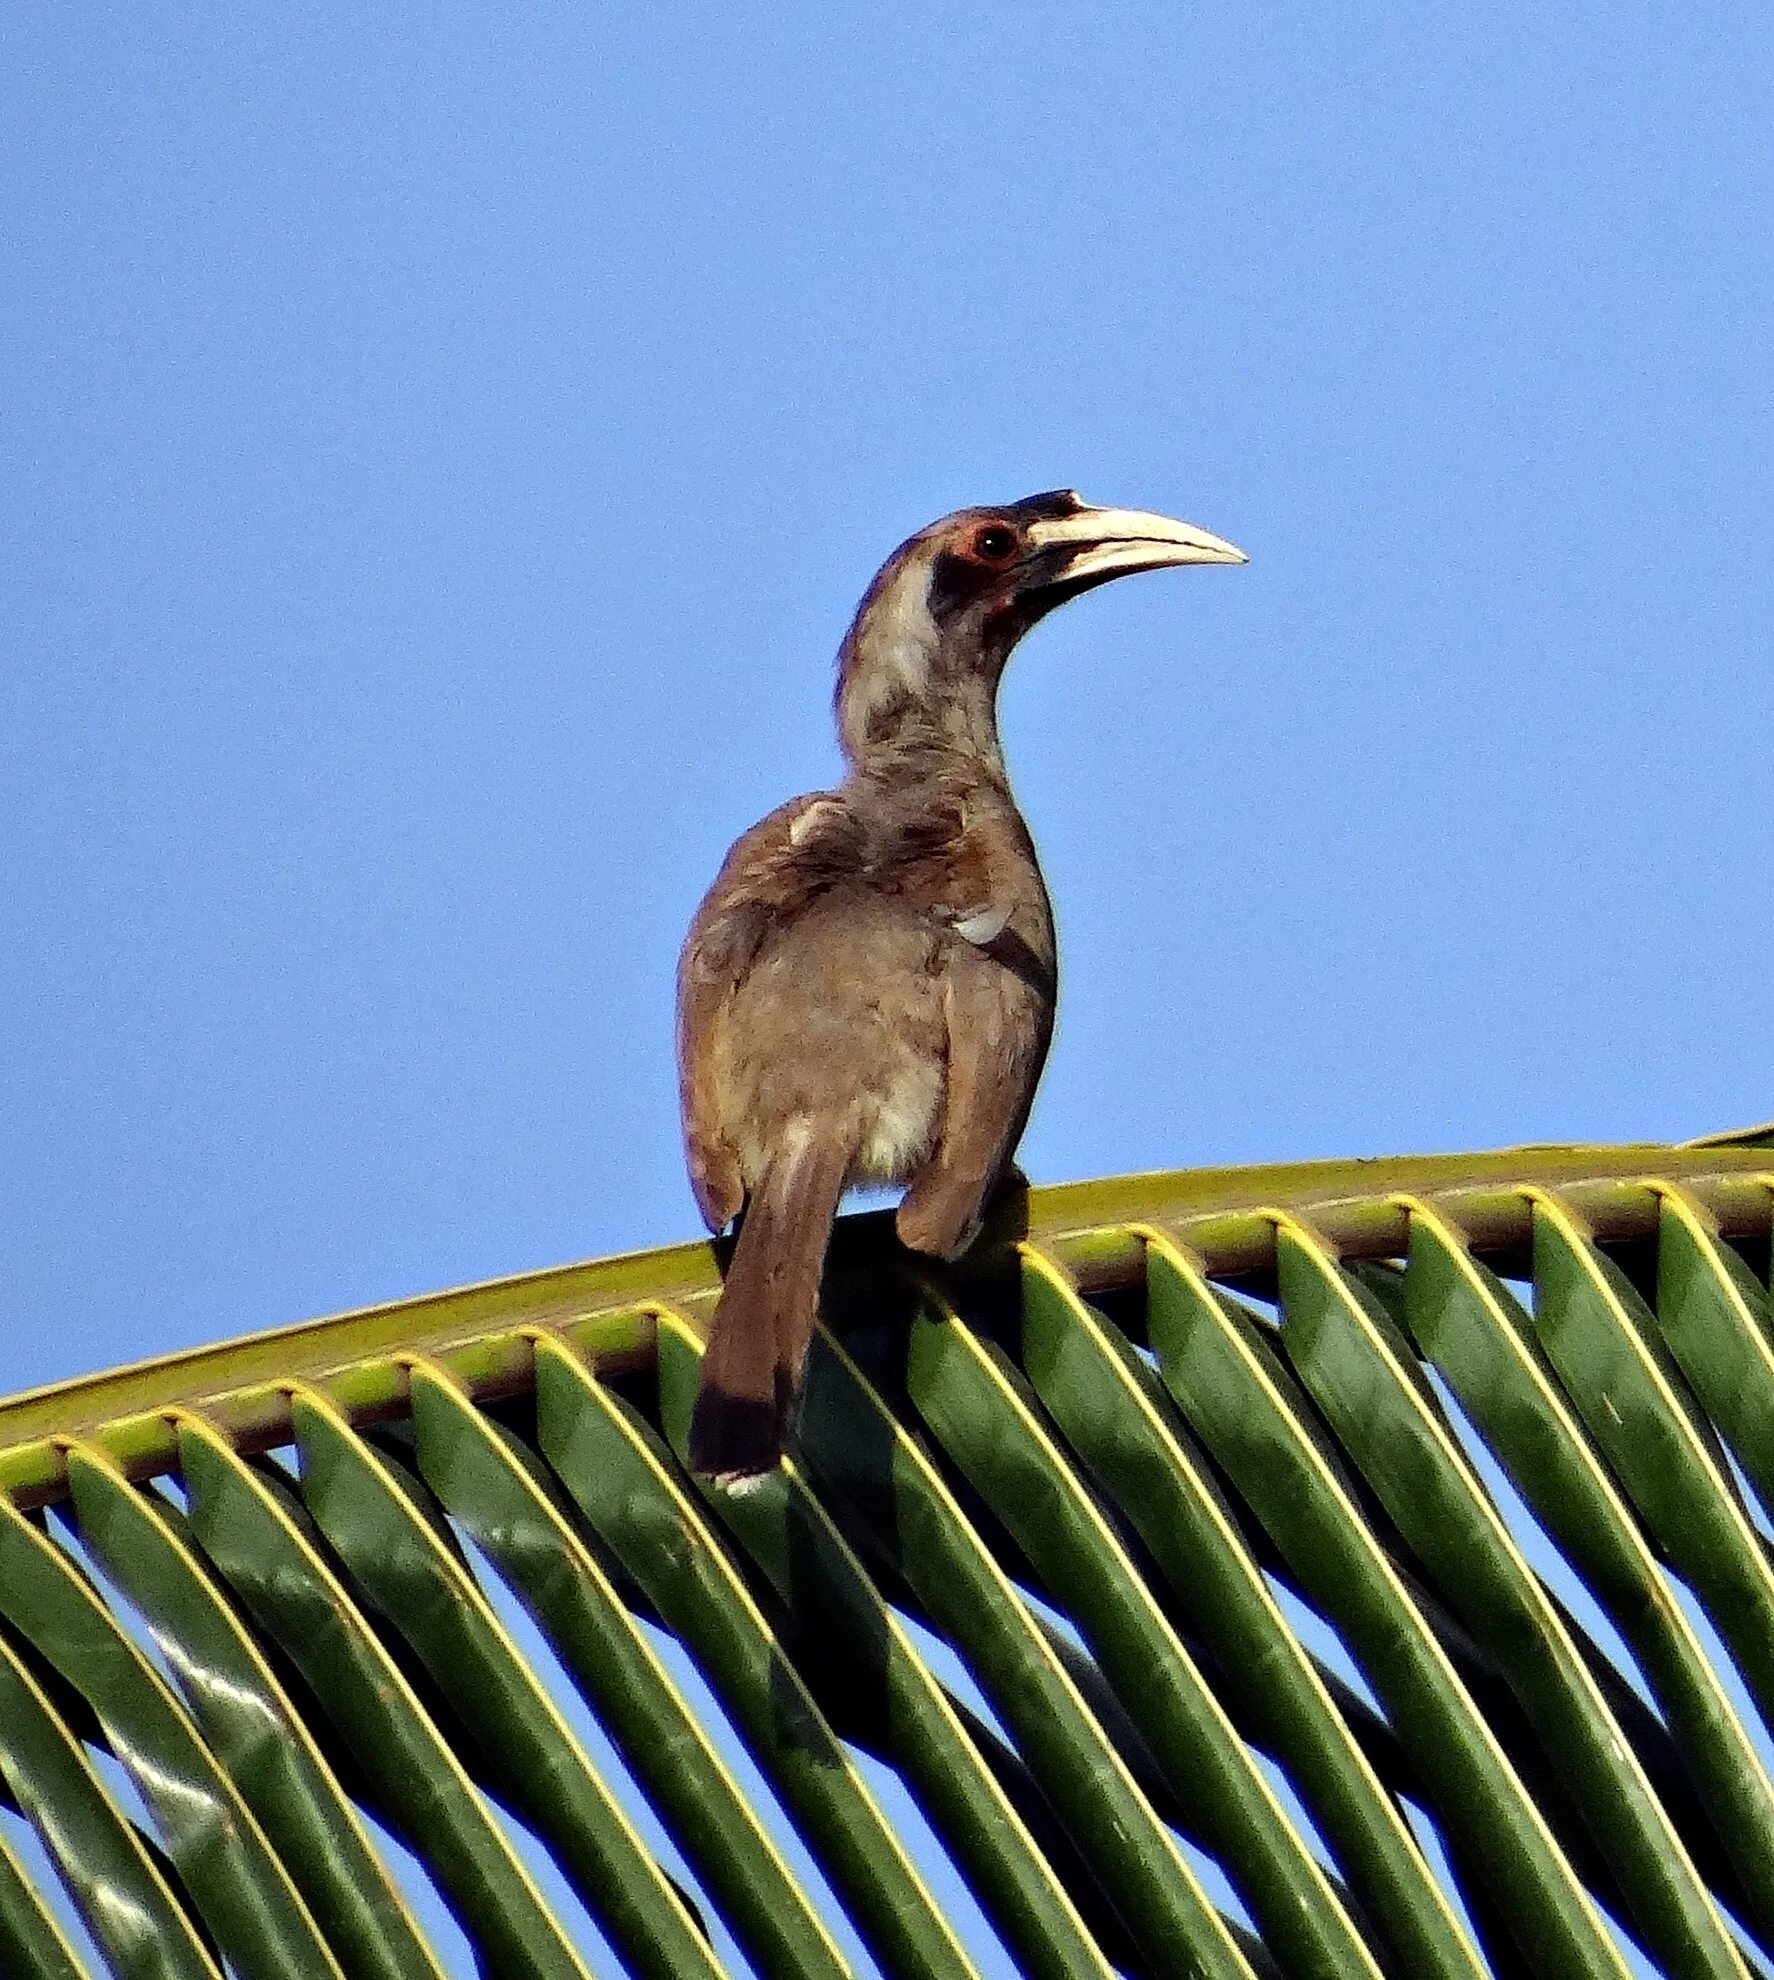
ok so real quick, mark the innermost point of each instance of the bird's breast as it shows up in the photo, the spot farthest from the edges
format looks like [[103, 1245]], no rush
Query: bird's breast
[[840, 1019]]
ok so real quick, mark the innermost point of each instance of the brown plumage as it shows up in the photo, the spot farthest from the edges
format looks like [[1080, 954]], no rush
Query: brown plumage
[[866, 993]]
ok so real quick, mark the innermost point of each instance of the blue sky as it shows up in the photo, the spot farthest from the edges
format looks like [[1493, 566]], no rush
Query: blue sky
[[445, 444]]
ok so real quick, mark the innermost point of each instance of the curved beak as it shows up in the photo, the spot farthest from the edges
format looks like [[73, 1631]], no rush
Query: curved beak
[[1084, 549]]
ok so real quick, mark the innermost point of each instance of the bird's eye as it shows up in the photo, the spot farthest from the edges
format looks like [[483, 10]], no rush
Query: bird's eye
[[994, 543]]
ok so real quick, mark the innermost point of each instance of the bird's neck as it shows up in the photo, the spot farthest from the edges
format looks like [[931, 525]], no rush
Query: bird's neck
[[935, 737]]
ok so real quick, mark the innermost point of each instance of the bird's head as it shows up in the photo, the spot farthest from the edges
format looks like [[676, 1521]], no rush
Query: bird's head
[[923, 657]]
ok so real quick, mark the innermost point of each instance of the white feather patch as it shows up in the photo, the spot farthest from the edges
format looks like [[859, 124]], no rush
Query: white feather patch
[[982, 926], [809, 820], [897, 1128], [901, 639]]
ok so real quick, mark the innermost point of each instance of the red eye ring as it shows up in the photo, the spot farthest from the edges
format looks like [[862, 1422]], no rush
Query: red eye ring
[[995, 543]]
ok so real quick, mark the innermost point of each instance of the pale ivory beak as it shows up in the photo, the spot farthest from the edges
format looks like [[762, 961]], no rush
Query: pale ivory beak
[[1111, 541]]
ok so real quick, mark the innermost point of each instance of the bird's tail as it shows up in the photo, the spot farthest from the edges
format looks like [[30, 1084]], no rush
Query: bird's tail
[[757, 1341]]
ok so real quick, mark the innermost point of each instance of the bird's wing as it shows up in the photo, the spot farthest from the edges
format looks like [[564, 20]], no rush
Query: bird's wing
[[998, 1003], [772, 872]]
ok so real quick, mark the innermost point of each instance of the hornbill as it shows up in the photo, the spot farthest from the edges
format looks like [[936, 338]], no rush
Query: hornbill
[[866, 993]]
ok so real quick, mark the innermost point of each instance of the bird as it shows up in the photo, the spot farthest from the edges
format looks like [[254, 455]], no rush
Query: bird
[[866, 993]]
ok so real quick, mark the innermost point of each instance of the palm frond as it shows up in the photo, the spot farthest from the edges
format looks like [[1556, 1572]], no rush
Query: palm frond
[[1332, 1570]]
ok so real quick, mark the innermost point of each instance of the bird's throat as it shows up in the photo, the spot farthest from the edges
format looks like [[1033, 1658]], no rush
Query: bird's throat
[[936, 734]]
